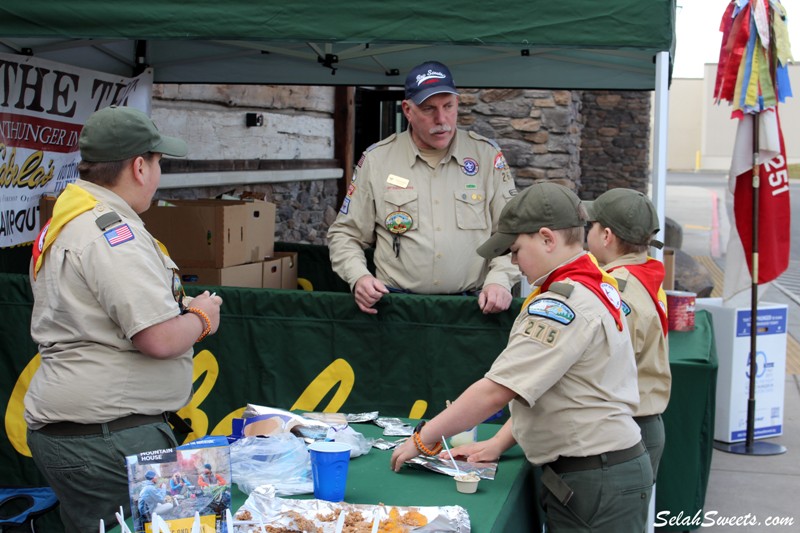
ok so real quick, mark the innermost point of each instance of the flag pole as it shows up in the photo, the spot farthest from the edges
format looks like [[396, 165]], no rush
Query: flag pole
[[750, 446]]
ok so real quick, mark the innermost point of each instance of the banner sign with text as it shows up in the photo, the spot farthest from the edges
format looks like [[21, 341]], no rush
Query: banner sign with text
[[43, 105]]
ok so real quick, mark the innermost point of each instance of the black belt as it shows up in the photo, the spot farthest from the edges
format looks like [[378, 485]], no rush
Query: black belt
[[73, 429], [645, 419], [563, 465]]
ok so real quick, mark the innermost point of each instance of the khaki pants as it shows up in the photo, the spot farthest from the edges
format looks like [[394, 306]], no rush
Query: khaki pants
[[88, 473], [605, 500]]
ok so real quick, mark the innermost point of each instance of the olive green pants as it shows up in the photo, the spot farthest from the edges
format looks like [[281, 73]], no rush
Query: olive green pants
[[88, 473], [612, 499], [653, 437]]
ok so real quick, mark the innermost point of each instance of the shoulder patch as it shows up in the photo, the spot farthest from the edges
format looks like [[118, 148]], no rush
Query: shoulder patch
[[540, 330], [626, 308], [612, 294], [552, 309], [119, 235], [563, 289], [107, 219]]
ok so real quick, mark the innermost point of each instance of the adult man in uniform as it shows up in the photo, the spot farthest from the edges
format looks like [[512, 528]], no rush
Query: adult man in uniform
[[568, 372], [425, 198], [623, 225], [115, 332]]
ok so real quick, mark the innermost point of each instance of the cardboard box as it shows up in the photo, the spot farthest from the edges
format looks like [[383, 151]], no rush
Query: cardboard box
[[200, 490], [280, 271], [248, 275], [214, 233], [732, 326], [669, 269]]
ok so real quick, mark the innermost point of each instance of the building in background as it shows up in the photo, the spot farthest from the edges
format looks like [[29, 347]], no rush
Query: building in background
[[700, 133]]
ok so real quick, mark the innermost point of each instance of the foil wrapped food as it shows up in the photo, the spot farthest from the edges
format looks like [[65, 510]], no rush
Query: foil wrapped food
[[263, 508]]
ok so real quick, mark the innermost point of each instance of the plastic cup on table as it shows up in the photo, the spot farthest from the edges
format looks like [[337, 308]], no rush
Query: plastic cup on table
[[329, 463]]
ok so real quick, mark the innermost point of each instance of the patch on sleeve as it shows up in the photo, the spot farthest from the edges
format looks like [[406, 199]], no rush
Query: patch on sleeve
[[361, 160], [626, 308], [119, 235], [345, 205], [541, 331], [612, 294], [552, 309]]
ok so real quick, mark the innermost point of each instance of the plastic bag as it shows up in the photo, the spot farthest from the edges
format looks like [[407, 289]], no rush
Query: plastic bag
[[280, 460], [359, 444]]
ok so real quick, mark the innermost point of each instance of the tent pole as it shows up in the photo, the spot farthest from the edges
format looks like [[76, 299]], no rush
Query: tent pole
[[660, 120]]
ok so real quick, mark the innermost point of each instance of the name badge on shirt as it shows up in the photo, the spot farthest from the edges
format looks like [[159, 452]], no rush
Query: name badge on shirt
[[397, 181]]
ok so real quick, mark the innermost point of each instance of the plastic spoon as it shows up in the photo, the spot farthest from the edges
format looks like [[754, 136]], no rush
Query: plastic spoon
[[340, 522]]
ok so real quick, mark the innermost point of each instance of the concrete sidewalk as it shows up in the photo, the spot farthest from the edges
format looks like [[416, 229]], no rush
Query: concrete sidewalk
[[756, 493]]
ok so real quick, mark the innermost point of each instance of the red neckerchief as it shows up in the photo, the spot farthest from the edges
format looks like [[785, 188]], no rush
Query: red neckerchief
[[585, 271], [651, 275]]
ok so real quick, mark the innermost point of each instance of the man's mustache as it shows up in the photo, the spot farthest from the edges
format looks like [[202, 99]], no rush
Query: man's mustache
[[444, 128]]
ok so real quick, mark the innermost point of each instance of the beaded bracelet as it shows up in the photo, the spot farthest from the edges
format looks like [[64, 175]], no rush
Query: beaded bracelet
[[204, 317], [419, 444]]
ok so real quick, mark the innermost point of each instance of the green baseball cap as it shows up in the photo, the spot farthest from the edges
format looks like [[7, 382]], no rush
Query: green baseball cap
[[542, 205], [629, 214], [117, 133]]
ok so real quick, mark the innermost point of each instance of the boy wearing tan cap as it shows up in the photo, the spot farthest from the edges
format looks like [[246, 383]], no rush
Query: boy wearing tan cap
[[111, 321], [623, 224], [568, 373]]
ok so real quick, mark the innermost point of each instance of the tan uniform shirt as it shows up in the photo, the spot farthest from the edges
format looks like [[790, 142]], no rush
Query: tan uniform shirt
[[453, 209], [575, 377], [90, 298], [649, 342]]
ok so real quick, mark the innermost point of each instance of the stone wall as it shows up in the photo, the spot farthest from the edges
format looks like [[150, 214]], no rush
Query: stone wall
[[539, 131], [615, 145]]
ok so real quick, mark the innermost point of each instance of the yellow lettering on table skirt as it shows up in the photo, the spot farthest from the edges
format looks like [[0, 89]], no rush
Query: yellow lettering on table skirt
[[338, 373], [16, 428], [204, 363], [418, 409]]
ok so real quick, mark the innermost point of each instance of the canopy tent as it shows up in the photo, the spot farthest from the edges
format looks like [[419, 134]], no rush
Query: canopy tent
[[575, 44], [571, 44]]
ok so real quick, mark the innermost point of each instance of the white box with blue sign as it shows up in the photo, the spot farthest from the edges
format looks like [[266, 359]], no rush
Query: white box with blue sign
[[732, 335]]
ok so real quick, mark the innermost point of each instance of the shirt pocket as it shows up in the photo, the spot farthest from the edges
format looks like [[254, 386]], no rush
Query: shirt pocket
[[471, 209], [405, 200]]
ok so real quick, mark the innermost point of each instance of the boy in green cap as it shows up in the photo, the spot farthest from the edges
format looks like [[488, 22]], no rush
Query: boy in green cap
[[623, 225], [568, 373]]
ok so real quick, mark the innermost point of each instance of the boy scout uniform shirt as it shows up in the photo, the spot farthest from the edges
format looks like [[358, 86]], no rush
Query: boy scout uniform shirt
[[453, 209], [575, 377], [90, 298], [650, 345]]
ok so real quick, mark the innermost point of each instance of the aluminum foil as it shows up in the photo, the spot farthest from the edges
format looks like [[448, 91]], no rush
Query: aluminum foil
[[445, 466], [394, 427], [266, 509], [383, 444], [355, 418]]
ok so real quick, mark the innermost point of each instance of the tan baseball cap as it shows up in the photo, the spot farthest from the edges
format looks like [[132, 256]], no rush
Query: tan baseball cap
[[629, 213], [542, 205], [117, 133]]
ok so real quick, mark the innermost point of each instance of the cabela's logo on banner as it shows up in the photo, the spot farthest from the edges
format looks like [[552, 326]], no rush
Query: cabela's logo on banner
[[43, 106]]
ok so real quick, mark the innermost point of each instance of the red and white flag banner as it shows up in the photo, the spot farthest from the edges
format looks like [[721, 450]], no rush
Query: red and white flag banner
[[774, 206]]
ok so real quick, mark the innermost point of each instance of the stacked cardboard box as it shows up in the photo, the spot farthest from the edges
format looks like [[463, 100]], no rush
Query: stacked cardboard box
[[215, 242]]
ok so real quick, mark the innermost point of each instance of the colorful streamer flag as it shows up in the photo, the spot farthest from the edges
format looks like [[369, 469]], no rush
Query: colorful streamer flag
[[752, 75]]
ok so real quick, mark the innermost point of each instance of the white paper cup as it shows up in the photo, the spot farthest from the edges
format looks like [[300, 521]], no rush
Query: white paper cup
[[467, 483]]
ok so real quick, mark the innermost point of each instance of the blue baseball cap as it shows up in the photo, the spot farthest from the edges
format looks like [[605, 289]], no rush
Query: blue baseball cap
[[428, 79], [150, 474]]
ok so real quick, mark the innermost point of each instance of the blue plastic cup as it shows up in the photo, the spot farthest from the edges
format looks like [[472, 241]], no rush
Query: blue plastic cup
[[329, 462]]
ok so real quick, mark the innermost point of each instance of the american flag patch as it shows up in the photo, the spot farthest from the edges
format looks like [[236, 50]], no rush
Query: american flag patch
[[119, 235]]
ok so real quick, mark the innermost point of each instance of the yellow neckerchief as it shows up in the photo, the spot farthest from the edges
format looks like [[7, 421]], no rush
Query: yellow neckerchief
[[72, 202]]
